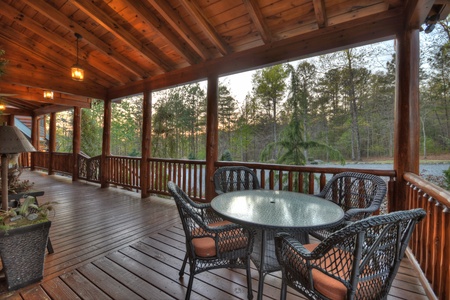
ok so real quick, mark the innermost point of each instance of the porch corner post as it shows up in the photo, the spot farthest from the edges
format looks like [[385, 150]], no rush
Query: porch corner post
[[106, 146], [146, 143], [76, 141], [212, 134], [407, 116], [52, 143], [34, 139]]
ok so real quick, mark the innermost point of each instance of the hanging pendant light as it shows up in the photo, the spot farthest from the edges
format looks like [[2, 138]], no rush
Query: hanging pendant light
[[77, 70], [48, 95]]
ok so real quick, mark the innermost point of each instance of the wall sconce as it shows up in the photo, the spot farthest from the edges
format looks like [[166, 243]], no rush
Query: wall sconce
[[2, 107], [77, 70], [48, 95]]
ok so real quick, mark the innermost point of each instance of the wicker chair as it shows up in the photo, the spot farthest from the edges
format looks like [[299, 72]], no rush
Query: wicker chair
[[235, 178], [211, 242], [358, 194], [359, 261]]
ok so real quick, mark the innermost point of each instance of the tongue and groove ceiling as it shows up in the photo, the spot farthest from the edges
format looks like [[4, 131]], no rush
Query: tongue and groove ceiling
[[128, 46]]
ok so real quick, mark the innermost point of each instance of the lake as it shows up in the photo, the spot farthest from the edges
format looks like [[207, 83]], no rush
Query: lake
[[435, 169]]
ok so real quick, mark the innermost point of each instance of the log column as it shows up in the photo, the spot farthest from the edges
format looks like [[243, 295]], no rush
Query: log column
[[106, 147], [52, 143], [212, 134], [407, 127], [34, 139], [76, 140], [146, 143]]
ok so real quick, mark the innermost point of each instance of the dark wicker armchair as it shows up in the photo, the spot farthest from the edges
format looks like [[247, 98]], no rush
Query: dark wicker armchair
[[211, 242], [359, 261], [358, 194], [235, 178]]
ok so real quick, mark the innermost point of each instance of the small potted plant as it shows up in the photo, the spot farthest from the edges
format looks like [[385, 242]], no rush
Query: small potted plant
[[23, 240]]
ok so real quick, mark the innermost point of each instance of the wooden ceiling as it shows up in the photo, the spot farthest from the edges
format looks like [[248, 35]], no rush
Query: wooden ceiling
[[129, 46]]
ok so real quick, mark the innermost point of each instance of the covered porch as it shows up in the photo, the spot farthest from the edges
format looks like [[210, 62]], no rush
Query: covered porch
[[39, 36], [134, 249]]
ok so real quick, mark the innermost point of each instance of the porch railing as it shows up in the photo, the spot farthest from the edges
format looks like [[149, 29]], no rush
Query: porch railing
[[123, 171], [61, 162], [89, 167], [430, 244]]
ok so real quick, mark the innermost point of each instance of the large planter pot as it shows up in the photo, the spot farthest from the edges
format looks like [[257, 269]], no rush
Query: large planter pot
[[22, 251]]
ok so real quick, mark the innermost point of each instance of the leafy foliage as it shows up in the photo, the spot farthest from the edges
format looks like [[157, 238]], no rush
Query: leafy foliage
[[27, 213]]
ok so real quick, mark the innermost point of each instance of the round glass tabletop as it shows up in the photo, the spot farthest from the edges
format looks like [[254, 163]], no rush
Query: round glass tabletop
[[277, 209]]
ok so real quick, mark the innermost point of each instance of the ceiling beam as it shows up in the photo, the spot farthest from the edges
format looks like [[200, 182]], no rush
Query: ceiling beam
[[33, 78], [59, 18], [206, 27], [24, 58], [36, 95], [166, 33], [154, 55], [258, 20], [417, 12], [16, 112], [49, 109], [174, 20], [326, 40], [320, 12]]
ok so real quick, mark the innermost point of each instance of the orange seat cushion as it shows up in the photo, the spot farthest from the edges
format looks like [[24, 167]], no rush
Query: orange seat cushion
[[324, 284], [206, 246]]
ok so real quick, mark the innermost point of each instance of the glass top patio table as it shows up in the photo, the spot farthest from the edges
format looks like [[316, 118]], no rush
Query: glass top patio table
[[270, 212], [277, 210]]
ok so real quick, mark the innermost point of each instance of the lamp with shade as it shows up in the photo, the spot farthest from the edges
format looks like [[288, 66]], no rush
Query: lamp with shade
[[12, 141]]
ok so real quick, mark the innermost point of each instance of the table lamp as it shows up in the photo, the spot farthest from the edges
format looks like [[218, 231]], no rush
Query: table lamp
[[12, 141]]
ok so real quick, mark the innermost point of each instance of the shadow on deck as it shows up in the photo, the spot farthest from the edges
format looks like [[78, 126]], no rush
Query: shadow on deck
[[111, 244]]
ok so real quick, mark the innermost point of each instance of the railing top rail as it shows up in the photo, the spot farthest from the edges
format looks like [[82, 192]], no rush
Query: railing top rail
[[174, 160], [315, 169], [429, 188], [122, 157]]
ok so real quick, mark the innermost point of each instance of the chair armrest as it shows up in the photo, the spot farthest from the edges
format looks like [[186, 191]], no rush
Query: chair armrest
[[284, 239], [354, 214]]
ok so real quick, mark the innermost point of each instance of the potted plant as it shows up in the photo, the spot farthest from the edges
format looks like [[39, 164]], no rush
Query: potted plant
[[23, 240]]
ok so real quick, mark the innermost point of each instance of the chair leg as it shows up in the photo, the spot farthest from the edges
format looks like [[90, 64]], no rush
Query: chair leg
[[191, 280], [283, 290], [249, 281], [181, 273]]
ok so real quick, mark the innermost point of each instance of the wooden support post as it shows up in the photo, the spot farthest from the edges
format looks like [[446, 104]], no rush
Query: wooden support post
[[146, 143], [76, 141], [34, 139], [212, 132], [407, 125], [106, 147], [11, 120], [52, 143]]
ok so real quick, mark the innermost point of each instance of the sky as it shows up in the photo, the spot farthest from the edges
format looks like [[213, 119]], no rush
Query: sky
[[240, 84]]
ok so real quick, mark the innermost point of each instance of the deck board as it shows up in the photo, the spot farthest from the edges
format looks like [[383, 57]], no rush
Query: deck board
[[111, 244]]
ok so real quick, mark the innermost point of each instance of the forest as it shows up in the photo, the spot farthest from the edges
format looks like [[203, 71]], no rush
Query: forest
[[333, 107]]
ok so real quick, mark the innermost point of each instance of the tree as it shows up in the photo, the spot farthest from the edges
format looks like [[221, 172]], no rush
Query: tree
[[91, 128], [299, 100], [269, 87]]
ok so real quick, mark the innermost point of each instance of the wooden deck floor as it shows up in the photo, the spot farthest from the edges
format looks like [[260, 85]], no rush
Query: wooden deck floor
[[111, 244]]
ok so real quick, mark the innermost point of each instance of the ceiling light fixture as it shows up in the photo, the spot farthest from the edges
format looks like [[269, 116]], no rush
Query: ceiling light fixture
[[77, 70], [48, 95]]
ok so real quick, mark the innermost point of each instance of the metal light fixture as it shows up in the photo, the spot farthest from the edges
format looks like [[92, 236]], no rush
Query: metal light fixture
[[48, 95], [12, 141], [77, 70]]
